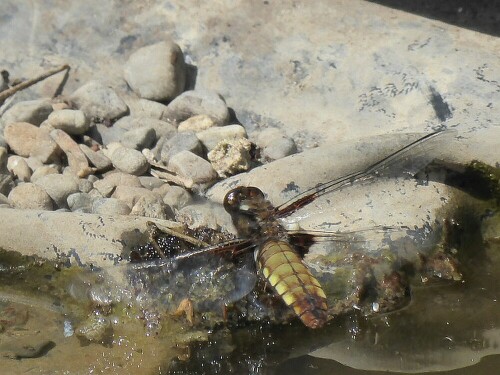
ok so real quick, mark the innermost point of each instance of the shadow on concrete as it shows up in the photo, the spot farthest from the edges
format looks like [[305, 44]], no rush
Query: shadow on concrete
[[478, 15]]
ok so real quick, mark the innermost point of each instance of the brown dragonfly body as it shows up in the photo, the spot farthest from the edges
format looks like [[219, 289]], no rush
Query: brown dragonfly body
[[277, 261]]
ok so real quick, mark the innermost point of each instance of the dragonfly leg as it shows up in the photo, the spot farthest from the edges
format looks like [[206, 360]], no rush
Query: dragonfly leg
[[185, 308]]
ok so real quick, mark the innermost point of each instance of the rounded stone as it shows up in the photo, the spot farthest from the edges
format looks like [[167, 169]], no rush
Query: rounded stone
[[198, 102], [71, 121], [29, 140], [180, 142], [30, 196], [18, 167], [129, 161], [99, 101], [43, 171], [153, 207], [157, 72], [31, 111], [81, 202], [58, 187], [110, 206], [192, 169], [139, 139]]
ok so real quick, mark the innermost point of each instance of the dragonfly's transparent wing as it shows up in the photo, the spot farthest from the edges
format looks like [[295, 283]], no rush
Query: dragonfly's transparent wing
[[406, 161], [208, 280]]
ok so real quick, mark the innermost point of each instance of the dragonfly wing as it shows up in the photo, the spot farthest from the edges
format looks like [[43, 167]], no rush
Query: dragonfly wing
[[406, 161]]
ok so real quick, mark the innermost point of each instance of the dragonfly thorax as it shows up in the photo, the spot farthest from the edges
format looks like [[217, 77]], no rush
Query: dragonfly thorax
[[251, 212]]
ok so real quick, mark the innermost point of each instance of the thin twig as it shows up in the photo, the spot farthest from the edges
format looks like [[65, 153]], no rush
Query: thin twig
[[30, 82]]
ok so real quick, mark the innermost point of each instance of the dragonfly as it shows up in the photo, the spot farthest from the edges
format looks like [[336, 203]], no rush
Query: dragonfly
[[278, 252]]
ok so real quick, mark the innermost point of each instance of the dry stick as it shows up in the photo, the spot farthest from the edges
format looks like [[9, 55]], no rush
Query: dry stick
[[30, 82]]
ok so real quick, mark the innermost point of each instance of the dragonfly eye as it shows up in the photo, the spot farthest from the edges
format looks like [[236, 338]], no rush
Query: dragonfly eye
[[241, 197], [232, 200]]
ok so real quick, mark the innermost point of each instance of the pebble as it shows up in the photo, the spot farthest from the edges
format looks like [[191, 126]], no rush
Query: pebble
[[157, 72], [81, 202], [18, 167], [162, 128], [97, 158], [196, 124], [58, 187], [198, 102], [129, 161], [212, 136], [150, 182], [3, 143], [131, 194], [176, 197], [99, 101], [43, 171], [110, 206], [230, 157], [3, 159], [69, 120], [104, 134], [148, 108], [75, 157], [180, 142], [107, 185], [139, 139], [6, 183], [194, 171], [30, 196], [153, 207], [85, 185], [31, 111], [4, 200], [275, 144], [29, 140]]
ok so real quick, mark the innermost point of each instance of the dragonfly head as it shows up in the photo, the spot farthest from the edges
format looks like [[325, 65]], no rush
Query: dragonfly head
[[245, 199]]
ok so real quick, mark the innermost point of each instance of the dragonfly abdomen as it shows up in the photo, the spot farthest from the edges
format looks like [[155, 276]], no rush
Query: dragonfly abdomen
[[293, 282]]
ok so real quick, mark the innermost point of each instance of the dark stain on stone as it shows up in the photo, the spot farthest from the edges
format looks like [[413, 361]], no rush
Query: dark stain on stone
[[441, 108]]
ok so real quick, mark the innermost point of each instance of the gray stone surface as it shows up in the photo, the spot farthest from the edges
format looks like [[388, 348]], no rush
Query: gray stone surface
[[110, 206], [99, 101], [139, 138], [129, 161], [31, 197], [156, 72], [182, 141], [58, 187], [192, 169], [96, 158], [80, 202], [154, 207], [31, 111], [69, 120], [198, 102]]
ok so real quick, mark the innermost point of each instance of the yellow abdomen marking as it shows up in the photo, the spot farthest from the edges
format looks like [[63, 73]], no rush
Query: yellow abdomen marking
[[291, 279]]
